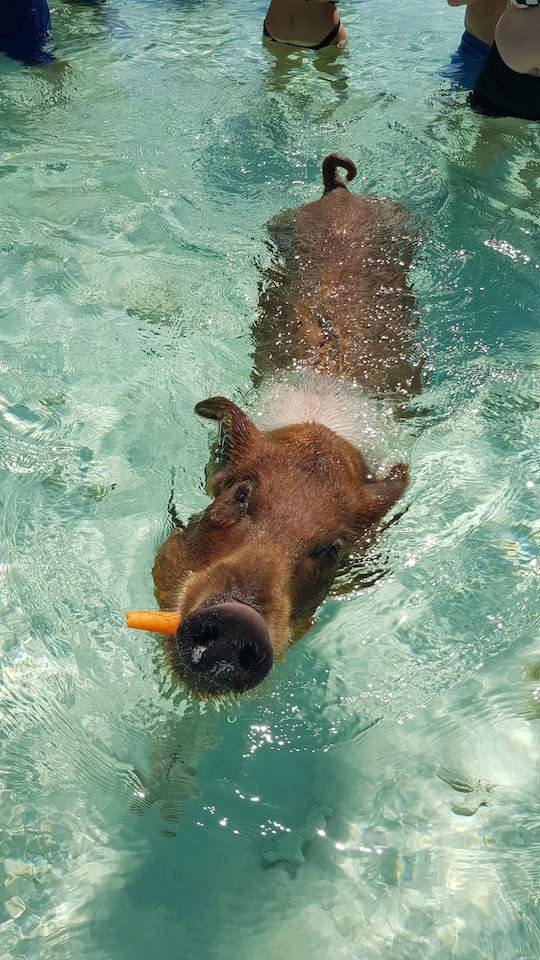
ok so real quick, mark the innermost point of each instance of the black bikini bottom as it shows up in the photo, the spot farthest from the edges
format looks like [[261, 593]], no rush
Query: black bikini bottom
[[316, 46]]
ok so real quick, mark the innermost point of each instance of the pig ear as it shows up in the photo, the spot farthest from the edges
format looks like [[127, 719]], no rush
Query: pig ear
[[238, 432], [378, 496]]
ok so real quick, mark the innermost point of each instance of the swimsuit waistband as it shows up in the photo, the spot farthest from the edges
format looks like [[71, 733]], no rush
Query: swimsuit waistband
[[317, 46], [471, 44]]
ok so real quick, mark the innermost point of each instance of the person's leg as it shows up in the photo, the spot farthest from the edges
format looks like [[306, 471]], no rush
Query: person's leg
[[25, 26]]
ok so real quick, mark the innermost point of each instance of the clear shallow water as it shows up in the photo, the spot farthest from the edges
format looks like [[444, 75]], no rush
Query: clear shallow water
[[379, 798]]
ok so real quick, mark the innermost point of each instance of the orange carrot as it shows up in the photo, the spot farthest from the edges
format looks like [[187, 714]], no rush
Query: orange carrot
[[156, 621]]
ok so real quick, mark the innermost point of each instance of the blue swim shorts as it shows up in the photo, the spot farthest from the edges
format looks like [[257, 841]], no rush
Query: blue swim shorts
[[466, 63], [25, 26]]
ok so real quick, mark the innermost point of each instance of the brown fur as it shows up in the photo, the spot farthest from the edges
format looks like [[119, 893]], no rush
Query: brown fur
[[338, 300], [290, 502]]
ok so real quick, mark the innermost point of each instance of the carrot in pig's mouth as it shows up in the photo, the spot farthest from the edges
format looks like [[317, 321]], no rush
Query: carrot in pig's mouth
[[155, 621]]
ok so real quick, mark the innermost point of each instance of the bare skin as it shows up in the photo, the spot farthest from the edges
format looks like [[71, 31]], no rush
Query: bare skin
[[303, 23], [481, 17], [518, 39]]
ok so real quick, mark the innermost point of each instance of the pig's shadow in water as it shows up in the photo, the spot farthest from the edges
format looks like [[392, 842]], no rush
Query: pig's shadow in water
[[233, 868]]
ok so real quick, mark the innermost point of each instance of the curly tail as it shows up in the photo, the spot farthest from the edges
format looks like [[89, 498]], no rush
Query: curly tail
[[329, 171]]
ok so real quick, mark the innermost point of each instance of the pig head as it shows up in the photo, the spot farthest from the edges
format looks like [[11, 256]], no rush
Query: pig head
[[248, 574]]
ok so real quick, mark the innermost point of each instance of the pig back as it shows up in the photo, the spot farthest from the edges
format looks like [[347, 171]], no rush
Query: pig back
[[336, 297]]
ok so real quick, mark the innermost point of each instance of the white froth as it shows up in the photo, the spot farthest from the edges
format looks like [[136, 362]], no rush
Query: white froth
[[367, 423]]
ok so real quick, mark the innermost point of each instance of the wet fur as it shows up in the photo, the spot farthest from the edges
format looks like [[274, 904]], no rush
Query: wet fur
[[337, 294]]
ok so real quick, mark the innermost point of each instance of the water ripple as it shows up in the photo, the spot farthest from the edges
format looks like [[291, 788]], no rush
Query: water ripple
[[379, 793]]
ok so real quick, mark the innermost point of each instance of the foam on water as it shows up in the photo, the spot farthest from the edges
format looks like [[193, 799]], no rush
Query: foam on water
[[301, 397], [378, 797]]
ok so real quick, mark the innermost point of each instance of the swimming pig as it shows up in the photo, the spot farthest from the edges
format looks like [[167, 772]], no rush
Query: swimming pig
[[289, 502]]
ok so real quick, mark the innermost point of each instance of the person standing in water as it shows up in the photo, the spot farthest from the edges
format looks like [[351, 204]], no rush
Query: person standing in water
[[481, 18], [509, 82], [304, 23], [25, 27]]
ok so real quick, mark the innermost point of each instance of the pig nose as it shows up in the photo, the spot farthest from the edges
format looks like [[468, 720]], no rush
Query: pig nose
[[224, 648]]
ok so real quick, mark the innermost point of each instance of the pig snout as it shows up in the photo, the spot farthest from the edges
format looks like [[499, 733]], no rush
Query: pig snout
[[224, 647]]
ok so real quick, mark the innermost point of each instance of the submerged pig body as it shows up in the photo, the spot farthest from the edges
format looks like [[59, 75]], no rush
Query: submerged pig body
[[288, 503], [337, 299]]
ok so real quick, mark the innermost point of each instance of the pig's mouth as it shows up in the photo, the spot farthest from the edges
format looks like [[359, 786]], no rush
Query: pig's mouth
[[223, 647]]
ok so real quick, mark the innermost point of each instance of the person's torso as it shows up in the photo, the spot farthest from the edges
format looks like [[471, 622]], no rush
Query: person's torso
[[518, 39], [303, 22], [481, 18], [502, 92]]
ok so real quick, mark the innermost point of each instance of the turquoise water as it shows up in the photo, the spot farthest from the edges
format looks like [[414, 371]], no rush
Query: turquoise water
[[378, 800]]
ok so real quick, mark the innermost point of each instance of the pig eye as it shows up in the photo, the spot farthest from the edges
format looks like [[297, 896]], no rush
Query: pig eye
[[242, 495], [329, 552]]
